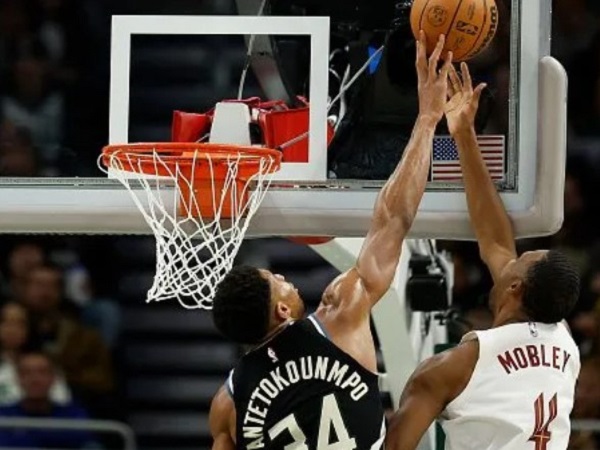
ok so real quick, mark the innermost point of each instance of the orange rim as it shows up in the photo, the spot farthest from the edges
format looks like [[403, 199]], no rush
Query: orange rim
[[200, 170], [209, 160]]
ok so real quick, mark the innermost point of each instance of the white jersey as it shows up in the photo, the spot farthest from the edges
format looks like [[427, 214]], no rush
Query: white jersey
[[520, 394]]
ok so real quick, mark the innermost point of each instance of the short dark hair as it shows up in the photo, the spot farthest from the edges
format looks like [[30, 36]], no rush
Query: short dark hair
[[551, 288], [36, 352], [242, 304], [54, 268]]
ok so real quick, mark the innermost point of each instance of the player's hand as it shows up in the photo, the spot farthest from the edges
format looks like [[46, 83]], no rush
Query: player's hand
[[463, 100], [432, 85]]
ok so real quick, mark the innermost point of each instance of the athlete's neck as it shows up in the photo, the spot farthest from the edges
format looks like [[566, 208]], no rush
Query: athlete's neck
[[507, 319], [274, 332]]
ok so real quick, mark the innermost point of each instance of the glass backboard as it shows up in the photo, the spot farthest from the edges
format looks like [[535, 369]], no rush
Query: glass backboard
[[162, 63]]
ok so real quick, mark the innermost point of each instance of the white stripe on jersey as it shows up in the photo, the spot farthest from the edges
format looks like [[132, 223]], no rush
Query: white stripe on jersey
[[230, 382], [378, 445], [317, 325]]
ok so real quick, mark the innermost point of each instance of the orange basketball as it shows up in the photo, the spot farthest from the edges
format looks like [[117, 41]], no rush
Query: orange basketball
[[469, 25]]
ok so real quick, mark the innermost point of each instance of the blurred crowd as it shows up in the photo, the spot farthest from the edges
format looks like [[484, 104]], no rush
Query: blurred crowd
[[57, 337], [56, 340], [53, 81], [56, 345]]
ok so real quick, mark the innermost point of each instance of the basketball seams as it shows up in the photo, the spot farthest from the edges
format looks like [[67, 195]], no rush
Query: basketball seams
[[477, 22], [422, 15], [454, 18]]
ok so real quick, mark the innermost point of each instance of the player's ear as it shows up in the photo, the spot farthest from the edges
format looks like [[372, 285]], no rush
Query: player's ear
[[516, 286], [282, 311]]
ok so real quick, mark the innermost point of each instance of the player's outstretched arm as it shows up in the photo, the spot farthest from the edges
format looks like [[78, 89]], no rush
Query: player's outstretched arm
[[489, 219], [221, 421], [396, 206], [432, 386]]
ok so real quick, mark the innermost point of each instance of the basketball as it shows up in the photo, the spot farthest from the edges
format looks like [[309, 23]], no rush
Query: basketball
[[469, 26]]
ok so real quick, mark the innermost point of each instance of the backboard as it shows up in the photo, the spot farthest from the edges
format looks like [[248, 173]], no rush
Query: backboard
[[309, 198]]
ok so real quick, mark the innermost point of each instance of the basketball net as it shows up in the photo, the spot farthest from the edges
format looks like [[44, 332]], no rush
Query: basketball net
[[198, 204]]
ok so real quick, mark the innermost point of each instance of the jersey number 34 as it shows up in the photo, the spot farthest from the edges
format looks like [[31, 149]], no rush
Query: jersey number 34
[[330, 417]]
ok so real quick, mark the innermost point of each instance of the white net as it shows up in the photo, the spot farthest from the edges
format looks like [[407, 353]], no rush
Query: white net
[[197, 238]]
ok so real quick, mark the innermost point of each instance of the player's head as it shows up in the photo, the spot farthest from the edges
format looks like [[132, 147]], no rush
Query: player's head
[[251, 302], [542, 285]]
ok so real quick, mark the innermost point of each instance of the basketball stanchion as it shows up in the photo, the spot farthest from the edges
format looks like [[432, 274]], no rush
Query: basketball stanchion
[[216, 189]]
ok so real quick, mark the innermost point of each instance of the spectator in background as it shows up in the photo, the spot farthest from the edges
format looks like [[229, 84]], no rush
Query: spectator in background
[[58, 29], [51, 28], [17, 154], [584, 94], [585, 321], [17, 36], [77, 349], [573, 28], [579, 230], [36, 372], [587, 404], [33, 104], [101, 314], [596, 343], [23, 258], [14, 339]]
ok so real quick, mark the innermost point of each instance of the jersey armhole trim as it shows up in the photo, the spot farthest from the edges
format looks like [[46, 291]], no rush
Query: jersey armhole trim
[[318, 326], [229, 384], [565, 324], [470, 336]]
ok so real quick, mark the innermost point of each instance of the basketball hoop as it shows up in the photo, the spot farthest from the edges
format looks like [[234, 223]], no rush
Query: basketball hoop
[[198, 199]]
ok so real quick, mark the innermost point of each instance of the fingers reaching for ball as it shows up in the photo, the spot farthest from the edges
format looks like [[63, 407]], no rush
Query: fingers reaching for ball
[[432, 85], [468, 85], [463, 101], [421, 57], [447, 66], [466, 75], [454, 82], [428, 68], [435, 56]]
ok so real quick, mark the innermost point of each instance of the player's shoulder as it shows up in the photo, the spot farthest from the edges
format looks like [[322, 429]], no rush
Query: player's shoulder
[[450, 370], [222, 419], [222, 402], [222, 412], [565, 324], [458, 358]]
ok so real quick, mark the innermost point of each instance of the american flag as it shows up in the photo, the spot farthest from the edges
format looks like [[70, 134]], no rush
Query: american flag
[[446, 165]]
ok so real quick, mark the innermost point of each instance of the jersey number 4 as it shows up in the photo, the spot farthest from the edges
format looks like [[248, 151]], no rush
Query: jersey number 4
[[542, 435], [330, 417]]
